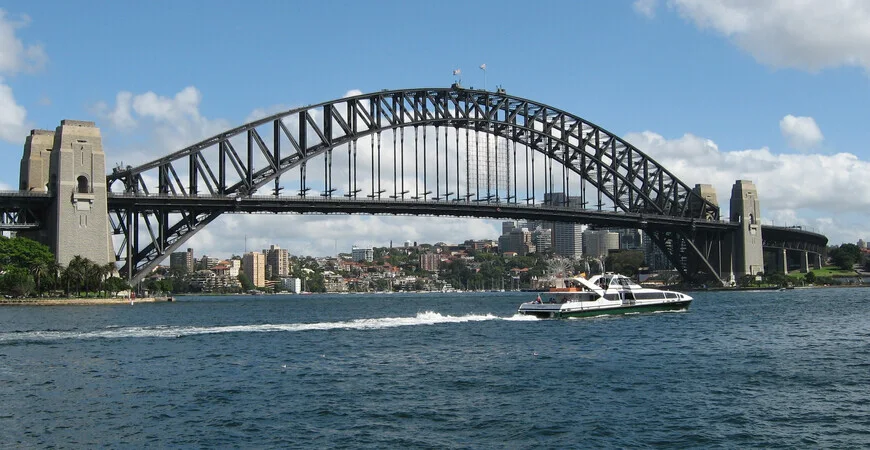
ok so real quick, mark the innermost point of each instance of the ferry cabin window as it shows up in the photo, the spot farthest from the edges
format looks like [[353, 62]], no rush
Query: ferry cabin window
[[611, 297], [649, 295]]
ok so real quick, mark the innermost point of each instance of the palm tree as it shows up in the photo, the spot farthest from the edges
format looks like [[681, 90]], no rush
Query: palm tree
[[106, 271], [37, 269], [93, 276], [77, 272], [54, 269]]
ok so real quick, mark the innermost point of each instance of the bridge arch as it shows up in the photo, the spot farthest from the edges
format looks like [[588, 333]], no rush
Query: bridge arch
[[621, 177]]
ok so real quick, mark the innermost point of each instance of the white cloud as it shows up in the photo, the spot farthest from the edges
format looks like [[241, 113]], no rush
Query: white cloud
[[809, 189], [169, 123], [120, 117], [183, 106], [806, 34], [13, 127], [646, 8], [802, 133], [14, 55]]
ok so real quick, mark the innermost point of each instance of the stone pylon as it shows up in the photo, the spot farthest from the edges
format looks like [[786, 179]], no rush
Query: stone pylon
[[73, 168], [748, 255]]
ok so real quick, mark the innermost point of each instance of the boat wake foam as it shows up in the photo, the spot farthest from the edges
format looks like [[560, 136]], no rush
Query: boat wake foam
[[164, 331], [522, 318]]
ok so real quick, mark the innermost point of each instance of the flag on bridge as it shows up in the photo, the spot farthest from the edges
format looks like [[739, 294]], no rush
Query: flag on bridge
[[456, 72], [483, 66]]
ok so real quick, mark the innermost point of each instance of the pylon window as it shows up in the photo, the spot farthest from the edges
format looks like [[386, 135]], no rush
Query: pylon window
[[83, 187]]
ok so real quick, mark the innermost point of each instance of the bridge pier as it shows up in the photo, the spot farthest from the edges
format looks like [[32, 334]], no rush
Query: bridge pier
[[782, 261], [73, 169], [710, 244], [805, 261], [748, 256]]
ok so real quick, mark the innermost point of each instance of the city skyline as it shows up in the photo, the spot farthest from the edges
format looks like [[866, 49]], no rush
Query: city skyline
[[710, 90]]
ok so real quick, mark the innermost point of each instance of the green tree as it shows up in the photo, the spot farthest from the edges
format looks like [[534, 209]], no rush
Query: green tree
[[114, 285], [810, 277], [776, 279], [845, 256], [75, 274], [246, 283], [17, 281], [22, 252], [746, 280], [38, 269], [625, 262], [106, 271], [167, 285]]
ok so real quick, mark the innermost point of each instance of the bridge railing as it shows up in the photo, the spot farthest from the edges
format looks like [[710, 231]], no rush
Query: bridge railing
[[25, 194]]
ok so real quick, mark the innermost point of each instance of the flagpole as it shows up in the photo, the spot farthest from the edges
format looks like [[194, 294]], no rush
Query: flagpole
[[483, 68]]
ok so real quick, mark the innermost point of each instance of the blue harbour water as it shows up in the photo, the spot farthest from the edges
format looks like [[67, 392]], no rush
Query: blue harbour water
[[738, 369]]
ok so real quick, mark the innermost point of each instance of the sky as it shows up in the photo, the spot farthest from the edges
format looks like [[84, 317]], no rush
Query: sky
[[773, 91]]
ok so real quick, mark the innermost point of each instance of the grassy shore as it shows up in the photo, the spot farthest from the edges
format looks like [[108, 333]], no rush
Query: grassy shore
[[79, 301]]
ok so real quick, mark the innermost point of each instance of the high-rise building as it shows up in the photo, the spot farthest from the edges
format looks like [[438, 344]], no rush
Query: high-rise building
[[182, 261], [430, 261], [507, 226], [207, 262], [629, 238], [254, 266], [277, 261], [567, 236], [654, 257], [543, 240], [519, 241], [568, 239], [598, 243], [362, 254], [235, 266]]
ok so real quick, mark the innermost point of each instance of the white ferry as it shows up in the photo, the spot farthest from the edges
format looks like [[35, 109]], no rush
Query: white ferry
[[602, 294]]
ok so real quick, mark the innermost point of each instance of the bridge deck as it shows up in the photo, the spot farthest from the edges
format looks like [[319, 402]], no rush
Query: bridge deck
[[333, 205]]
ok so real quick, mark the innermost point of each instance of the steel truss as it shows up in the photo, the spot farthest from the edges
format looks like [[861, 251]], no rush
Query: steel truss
[[622, 178], [793, 238], [21, 211]]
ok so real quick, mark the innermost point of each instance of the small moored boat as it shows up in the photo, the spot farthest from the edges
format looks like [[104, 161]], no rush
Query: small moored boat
[[602, 294]]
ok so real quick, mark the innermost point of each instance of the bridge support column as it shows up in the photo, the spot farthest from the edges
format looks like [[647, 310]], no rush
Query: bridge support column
[[78, 221], [782, 262], [747, 243], [712, 246], [805, 262], [34, 173], [817, 261]]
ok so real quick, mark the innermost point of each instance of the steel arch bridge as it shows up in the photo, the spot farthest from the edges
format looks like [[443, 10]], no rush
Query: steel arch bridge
[[495, 155]]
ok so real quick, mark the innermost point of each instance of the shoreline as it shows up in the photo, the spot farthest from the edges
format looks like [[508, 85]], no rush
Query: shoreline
[[80, 301]]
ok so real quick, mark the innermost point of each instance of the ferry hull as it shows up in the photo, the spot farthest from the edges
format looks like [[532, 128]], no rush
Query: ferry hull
[[592, 312]]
